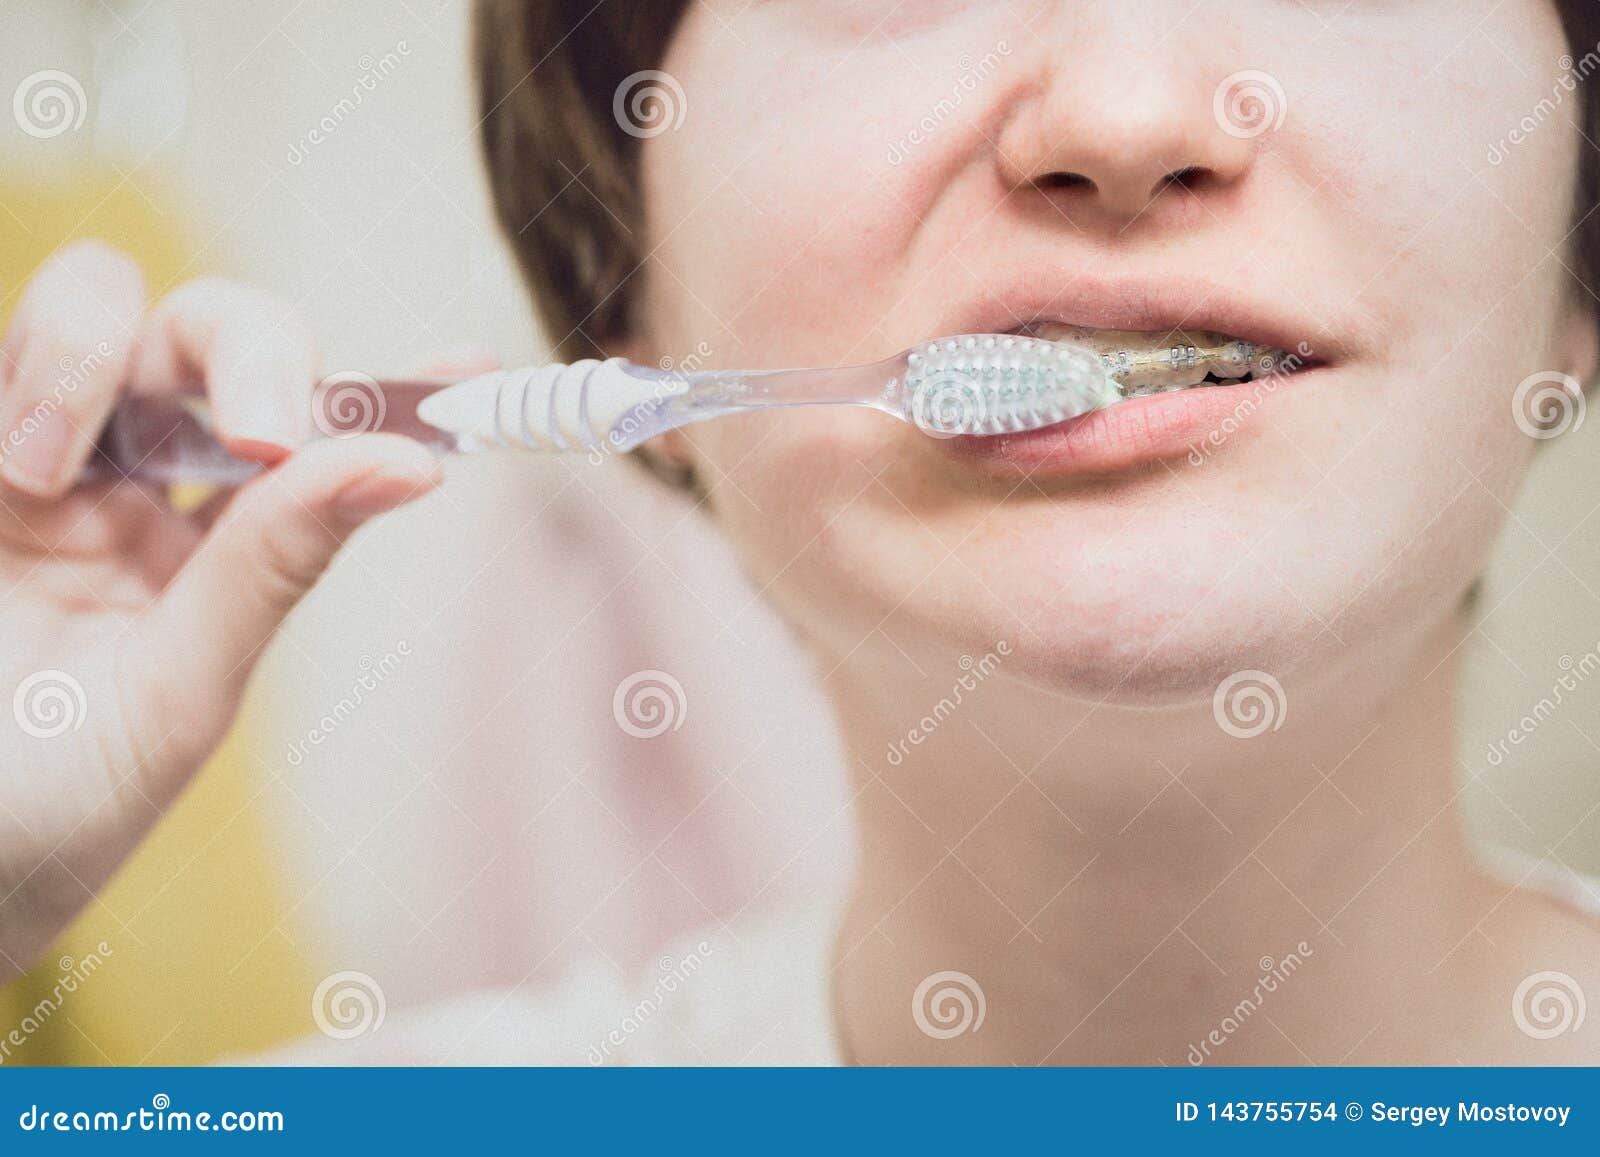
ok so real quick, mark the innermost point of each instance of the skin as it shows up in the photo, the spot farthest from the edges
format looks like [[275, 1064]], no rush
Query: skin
[[1082, 837]]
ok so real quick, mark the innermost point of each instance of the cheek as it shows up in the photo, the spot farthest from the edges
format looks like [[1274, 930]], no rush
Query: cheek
[[1436, 226], [781, 484], [798, 232], [715, 190]]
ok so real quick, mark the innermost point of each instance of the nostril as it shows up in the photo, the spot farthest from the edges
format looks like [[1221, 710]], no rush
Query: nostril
[[1190, 177], [1063, 180]]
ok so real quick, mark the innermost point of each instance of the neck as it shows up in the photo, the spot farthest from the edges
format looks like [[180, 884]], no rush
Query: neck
[[1135, 885]]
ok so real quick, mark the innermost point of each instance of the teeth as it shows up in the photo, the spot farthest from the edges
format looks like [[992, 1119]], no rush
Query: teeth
[[1148, 363]]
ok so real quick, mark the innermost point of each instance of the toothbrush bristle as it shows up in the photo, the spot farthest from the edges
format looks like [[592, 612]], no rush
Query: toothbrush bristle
[[999, 384]]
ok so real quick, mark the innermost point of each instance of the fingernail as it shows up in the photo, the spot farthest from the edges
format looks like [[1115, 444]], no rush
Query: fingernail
[[35, 452], [378, 492], [269, 452]]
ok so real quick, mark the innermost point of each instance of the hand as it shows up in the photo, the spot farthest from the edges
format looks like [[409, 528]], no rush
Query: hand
[[129, 629]]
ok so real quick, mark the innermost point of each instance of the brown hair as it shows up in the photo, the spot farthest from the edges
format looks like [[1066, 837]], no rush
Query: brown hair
[[563, 171]]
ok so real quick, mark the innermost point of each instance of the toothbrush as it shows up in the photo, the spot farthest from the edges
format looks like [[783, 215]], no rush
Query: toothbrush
[[974, 384]]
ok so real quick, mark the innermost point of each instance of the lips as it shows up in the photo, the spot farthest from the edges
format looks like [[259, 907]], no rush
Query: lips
[[1265, 316], [1180, 409]]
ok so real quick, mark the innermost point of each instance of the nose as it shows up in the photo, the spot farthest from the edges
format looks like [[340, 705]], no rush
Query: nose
[[1119, 133]]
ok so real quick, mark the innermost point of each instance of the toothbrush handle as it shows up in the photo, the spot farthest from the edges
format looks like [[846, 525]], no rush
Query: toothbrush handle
[[169, 439], [615, 405]]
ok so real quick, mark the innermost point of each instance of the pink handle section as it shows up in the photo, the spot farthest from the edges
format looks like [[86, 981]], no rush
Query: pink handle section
[[166, 440]]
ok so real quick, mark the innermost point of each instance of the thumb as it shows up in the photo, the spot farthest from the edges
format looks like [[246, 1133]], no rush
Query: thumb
[[199, 642]]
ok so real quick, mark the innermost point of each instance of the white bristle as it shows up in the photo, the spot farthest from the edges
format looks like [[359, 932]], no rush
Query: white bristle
[[998, 385]]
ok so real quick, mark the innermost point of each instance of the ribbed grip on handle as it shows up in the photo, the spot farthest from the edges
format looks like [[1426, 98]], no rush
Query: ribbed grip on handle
[[570, 407]]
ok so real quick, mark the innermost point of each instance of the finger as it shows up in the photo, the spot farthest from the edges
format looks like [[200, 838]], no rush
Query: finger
[[197, 644], [67, 353], [255, 358], [89, 522]]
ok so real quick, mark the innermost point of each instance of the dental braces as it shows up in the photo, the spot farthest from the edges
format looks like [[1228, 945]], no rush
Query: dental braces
[[1184, 366]]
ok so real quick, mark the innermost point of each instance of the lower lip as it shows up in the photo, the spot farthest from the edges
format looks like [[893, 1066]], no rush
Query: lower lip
[[1129, 435]]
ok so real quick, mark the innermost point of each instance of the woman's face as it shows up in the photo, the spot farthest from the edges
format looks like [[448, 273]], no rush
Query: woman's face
[[855, 176]]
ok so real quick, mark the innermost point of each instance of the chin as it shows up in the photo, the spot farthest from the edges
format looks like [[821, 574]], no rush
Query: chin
[[1156, 652], [1118, 669], [1149, 607]]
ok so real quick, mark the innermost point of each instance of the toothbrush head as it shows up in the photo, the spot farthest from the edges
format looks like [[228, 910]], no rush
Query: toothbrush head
[[988, 384]]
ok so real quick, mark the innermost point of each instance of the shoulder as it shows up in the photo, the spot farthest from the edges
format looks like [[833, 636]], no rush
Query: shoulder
[[1544, 939]]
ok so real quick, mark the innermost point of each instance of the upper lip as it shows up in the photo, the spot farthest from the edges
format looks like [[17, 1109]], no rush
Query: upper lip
[[1150, 305]]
